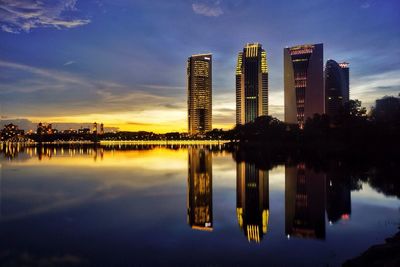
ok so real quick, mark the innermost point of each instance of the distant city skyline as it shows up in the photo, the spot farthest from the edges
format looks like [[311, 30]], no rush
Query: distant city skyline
[[123, 62]]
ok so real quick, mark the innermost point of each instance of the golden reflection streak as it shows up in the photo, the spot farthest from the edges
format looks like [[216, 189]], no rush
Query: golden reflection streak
[[154, 159]]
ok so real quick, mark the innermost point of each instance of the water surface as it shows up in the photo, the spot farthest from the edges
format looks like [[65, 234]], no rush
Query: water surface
[[183, 206]]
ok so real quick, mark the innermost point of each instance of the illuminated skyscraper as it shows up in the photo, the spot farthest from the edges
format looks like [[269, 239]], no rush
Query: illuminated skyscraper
[[252, 200], [94, 129], [199, 75], [346, 74], [304, 202], [303, 82], [336, 86], [101, 128], [251, 84], [199, 209]]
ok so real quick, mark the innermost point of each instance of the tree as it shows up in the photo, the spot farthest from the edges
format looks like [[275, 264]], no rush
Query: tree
[[353, 108]]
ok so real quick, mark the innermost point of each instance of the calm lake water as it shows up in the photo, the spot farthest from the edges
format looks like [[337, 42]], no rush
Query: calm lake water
[[183, 206]]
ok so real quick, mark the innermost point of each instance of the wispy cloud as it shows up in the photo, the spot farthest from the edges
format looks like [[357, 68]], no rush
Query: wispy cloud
[[365, 5], [371, 87], [23, 15], [208, 9], [69, 63], [84, 100]]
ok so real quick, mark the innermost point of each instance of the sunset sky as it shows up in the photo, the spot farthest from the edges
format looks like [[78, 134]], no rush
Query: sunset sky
[[123, 62]]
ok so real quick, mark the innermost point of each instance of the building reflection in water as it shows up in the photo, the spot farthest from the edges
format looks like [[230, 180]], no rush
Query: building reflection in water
[[338, 194], [199, 209], [252, 200], [304, 202]]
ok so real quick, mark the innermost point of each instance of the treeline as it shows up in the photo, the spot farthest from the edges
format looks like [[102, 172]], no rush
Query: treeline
[[351, 129]]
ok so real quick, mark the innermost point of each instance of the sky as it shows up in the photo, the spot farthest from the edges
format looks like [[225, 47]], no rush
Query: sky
[[123, 62]]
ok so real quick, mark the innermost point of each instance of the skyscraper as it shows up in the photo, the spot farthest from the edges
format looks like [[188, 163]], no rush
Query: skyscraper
[[303, 82], [199, 206], [251, 83], [199, 75], [336, 86], [252, 200], [346, 74]]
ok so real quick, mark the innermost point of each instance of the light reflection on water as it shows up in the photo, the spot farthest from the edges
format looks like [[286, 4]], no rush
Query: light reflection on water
[[183, 205]]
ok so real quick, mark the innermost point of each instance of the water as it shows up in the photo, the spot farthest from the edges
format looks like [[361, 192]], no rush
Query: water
[[184, 206]]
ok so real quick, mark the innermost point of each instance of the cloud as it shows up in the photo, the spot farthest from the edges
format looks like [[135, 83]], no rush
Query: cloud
[[365, 5], [23, 15], [86, 100], [69, 63], [208, 10], [368, 88]]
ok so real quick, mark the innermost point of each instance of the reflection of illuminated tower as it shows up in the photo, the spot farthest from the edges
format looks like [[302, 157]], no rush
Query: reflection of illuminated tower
[[94, 130], [304, 84], [251, 84], [338, 196], [199, 210], [304, 202], [252, 200]]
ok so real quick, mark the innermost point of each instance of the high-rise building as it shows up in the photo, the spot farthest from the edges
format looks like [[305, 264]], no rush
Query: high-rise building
[[199, 206], [199, 75], [303, 82], [251, 83], [94, 129], [101, 128], [346, 74], [336, 86], [304, 202], [252, 200]]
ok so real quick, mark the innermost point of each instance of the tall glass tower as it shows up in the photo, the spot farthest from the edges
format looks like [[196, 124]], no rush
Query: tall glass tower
[[199, 75], [336, 86], [303, 82], [251, 83]]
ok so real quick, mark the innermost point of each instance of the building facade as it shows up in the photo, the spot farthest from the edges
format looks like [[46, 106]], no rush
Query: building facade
[[337, 90], [251, 83], [303, 83], [199, 75]]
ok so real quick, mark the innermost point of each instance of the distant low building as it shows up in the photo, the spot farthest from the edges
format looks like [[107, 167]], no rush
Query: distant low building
[[69, 131], [387, 109], [84, 131], [10, 131], [43, 129]]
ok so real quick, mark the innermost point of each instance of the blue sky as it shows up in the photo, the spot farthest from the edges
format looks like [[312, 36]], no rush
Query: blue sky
[[124, 62]]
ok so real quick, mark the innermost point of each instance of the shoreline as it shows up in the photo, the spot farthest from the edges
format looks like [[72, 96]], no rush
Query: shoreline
[[122, 142], [384, 254]]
